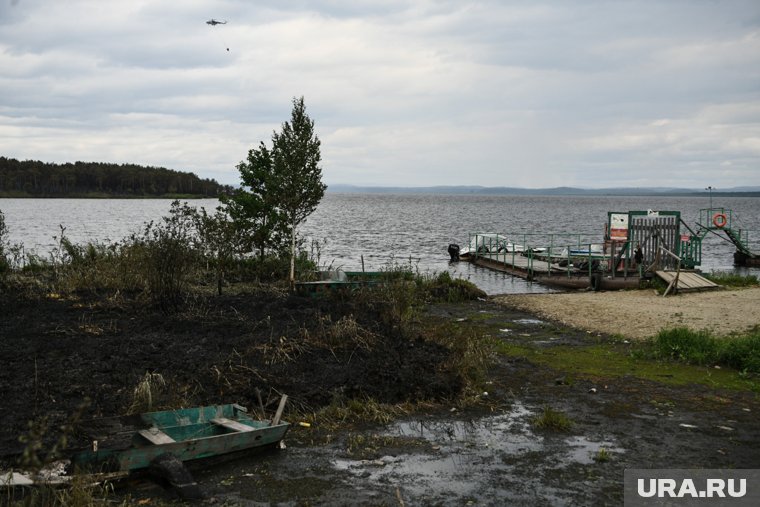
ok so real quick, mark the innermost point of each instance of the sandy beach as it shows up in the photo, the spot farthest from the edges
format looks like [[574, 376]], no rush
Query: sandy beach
[[642, 313]]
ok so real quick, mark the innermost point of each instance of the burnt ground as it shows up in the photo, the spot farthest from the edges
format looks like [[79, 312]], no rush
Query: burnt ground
[[56, 352], [59, 353]]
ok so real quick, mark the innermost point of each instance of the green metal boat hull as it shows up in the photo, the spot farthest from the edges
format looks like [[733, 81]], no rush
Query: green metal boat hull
[[189, 434]]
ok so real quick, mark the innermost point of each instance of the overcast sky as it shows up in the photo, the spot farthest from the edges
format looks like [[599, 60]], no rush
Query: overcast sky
[[530, 94]]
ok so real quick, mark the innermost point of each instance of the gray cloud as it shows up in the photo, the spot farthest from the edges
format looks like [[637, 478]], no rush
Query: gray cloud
[[403, 92]]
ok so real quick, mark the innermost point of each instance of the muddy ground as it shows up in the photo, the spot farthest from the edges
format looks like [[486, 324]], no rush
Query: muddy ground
[[57, 351]]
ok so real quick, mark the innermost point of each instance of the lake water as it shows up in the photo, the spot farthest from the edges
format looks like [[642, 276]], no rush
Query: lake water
[[394, 229]]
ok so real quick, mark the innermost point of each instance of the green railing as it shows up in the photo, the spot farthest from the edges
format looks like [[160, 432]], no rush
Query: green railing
[[712, 220], [611, 257]]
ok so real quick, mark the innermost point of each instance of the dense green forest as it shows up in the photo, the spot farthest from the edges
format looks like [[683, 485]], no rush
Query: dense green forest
[[32, 178]]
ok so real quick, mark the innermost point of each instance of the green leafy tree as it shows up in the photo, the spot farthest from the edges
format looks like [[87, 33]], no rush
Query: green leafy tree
[[259, 221], [284, 186], [298, 176]]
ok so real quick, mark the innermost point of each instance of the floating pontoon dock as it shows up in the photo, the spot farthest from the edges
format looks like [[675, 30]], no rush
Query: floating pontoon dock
[[637, 246]]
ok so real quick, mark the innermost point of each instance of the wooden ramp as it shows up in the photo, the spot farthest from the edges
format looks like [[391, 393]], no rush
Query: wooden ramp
[[687, 280]]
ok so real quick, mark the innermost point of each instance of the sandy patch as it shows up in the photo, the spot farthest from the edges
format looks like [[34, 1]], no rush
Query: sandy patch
[[641, 314]]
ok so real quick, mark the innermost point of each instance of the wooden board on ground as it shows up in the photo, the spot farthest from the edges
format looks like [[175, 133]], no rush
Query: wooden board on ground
[[687, 280]]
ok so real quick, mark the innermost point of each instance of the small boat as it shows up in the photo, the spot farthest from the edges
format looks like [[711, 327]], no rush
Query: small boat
[[593, 249], [491, 243], [159, 442], [189, 434], [339, 280]]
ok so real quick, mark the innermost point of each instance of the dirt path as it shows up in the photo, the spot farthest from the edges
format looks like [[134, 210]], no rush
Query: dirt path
[[641, 314]]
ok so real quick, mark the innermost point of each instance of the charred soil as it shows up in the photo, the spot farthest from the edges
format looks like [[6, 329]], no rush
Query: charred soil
[[60, 352]]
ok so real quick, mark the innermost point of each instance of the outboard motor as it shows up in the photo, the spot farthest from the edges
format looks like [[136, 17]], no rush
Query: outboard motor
[[454, 252]]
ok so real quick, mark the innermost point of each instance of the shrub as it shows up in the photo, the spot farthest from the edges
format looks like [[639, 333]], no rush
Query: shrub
[[167, 255], [445, 288]]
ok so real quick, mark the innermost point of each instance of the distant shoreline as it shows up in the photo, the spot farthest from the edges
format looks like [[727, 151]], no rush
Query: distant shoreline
[[398, 191], [100, 180], [21, 195], [538, 192]]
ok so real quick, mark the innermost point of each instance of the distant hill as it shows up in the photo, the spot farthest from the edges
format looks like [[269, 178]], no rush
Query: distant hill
[[478, 190], [32, 178]]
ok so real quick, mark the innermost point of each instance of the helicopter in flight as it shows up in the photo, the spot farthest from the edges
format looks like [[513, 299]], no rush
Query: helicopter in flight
[[213, 22]]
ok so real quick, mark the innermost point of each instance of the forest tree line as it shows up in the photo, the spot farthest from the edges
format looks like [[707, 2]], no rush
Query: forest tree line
[[32, 178]]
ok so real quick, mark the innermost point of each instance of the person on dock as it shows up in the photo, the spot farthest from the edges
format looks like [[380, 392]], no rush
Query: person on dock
[[638, 257]]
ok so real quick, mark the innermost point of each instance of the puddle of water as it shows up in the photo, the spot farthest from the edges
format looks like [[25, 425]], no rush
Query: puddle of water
[[468, 454], [546, 342], [584, 451], [493, 460], [531, 322]]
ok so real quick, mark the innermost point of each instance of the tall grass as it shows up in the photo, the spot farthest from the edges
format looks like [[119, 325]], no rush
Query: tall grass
[[733, 279], [163, 264], [702, 348]]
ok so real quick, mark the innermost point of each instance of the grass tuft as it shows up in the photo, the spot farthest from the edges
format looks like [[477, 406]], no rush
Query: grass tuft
[[367, 410], [603, 455], [552, 420], [147, 392]]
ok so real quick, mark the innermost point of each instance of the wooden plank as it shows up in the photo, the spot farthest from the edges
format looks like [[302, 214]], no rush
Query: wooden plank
[[280, 408], [232, 425], [687, 281], [156, 436], [697, 281]]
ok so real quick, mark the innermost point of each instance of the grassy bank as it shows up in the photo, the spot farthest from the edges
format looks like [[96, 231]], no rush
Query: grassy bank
[[618, 360], [733, 279], [742, 353]]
